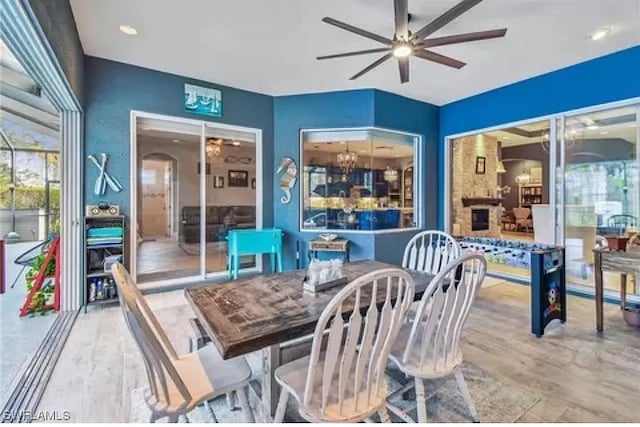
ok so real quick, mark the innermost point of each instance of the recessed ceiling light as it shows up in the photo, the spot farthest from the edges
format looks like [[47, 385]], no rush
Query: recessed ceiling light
[[600, 34], [235, 143], [593, 127], [604, 132], [128, 30], [505, 137], [176, 140]]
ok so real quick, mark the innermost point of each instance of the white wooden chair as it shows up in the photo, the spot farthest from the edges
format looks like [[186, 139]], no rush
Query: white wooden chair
[[177, 384], [343, 379], [430, 251], [428, 348]]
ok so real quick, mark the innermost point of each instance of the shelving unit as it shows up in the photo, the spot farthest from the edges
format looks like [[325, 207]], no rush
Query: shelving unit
[[407, 196], [530, 194], [99, 286]]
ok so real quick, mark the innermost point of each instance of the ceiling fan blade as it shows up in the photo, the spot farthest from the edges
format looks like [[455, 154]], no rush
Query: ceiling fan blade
[[445, 18], [440, 59], [403, 65], [356, 30], [355, 53], [464, 38], [372, 66], [401, 11]]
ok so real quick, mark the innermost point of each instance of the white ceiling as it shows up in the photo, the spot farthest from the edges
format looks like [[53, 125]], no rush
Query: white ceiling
[[269, 46]]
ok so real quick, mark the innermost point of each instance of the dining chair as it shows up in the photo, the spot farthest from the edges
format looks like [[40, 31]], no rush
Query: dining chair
[[522, 218], [429, 347], [618, 224], [343, 379], [430, 251], [177, 383]]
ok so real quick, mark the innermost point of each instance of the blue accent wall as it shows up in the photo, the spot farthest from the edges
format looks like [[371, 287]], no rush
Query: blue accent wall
[[601, 80], [313, 111], [399, 113], [347, 109], [114, 89]]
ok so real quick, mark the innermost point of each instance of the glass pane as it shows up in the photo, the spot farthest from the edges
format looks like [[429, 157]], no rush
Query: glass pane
[[168, 222], [231, 192], [358, 180], [601, 187], [500, 194]]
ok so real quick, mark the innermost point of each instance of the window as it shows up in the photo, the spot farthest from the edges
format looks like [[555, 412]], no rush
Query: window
[[359, 179]]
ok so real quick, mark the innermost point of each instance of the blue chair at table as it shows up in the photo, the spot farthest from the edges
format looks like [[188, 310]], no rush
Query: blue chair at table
[[253, 242]]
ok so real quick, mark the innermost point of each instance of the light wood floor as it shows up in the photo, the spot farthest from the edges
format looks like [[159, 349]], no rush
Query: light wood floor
[[578, 374], [163, 259]]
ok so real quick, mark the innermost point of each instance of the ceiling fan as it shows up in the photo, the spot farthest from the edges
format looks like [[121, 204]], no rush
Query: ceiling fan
[[405, 43]]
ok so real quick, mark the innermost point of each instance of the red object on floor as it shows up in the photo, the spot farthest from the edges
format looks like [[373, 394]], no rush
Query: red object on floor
[[3, 264], [52, 251]]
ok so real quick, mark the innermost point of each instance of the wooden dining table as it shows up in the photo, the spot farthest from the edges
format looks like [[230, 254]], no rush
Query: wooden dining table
[[271, 312]]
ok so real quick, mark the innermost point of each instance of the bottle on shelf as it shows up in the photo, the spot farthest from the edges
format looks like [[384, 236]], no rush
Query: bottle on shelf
[[99, 289], [92, 290]]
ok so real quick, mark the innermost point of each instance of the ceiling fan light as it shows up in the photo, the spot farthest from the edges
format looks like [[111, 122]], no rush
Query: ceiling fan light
[[402, 51]]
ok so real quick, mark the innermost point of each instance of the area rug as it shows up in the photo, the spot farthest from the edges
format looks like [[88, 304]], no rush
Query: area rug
[[495, 401]]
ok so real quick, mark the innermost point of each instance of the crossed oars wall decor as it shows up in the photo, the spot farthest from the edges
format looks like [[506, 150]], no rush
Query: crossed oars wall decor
[[104, 178]]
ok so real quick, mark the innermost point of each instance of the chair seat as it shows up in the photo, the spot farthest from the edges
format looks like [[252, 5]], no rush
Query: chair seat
[[432, 367], [206, 376], [293, 376]]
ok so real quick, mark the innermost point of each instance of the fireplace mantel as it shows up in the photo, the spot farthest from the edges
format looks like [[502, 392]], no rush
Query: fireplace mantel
[[481, 201]]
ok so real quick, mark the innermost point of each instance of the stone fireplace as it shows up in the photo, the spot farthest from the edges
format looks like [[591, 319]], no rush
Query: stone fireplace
[[475, 209]]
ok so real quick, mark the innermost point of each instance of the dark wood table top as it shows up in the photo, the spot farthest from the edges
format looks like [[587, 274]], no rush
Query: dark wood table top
[[250, 314]]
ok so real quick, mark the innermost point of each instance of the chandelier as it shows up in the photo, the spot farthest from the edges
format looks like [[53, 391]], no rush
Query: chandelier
[[347, 160], [214, 147], [390, 174], [569, 140], [523, 179]]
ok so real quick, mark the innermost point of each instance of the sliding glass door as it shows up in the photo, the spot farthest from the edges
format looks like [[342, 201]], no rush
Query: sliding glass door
[[168, 205], [230, 192], [194, 182], [601, 188]]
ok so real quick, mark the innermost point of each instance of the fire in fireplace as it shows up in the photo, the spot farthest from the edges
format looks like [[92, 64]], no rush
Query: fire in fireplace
[[479, 219]]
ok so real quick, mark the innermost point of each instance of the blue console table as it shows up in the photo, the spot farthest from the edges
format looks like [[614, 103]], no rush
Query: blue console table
[[253, 242]]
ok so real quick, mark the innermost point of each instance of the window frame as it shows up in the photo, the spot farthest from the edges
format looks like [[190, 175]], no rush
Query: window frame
[[418, 173]]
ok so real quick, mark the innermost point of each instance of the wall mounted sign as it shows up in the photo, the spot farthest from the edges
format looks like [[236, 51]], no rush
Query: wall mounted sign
[[288, 178], [202, 100]]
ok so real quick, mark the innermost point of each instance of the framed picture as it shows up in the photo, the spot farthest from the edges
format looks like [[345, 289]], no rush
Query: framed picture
[[208, 168], [481, 165], [202, 100], [238, 178], [253, 183], [218, 181]]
